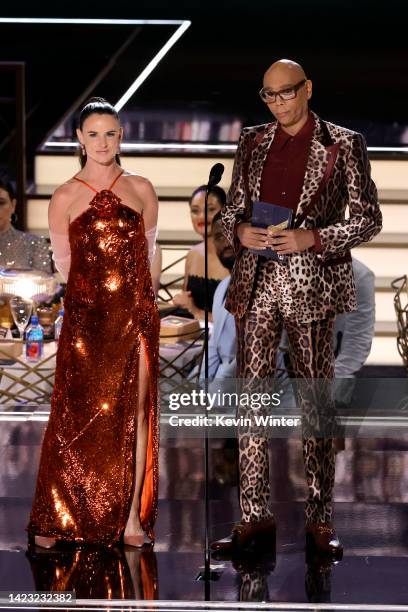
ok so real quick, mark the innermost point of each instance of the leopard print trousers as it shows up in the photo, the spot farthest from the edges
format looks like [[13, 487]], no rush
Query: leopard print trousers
[[311, 351]]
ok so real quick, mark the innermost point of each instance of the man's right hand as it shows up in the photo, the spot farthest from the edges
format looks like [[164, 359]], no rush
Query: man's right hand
[[252, 237]]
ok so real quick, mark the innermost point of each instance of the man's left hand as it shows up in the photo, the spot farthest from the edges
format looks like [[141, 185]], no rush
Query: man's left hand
[[291, 241]]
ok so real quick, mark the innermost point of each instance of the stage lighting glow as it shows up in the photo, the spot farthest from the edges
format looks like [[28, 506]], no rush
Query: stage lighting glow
[[29, 284], [157, 147], [62, 21], [388, 149], [14, 416], [152, 65], [183, 24]]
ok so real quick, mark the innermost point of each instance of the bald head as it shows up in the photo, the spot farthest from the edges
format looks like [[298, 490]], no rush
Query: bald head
[[286, 68], [287, 91]]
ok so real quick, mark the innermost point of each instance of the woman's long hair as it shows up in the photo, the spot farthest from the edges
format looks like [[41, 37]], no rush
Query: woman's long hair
[[100, 106], [7, 185]]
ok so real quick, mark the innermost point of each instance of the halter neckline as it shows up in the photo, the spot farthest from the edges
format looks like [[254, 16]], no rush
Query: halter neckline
[[93, 188]]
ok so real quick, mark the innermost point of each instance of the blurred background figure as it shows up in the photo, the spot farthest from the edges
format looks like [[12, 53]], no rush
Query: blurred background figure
[[354, 331], [222, 350], [19, 249], [191, 299]]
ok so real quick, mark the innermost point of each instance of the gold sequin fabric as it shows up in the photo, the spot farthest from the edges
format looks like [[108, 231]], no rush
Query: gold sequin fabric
[[87, 466]]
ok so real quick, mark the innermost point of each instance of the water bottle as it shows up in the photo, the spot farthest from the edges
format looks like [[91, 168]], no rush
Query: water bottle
[[34, 340], [58, 324]]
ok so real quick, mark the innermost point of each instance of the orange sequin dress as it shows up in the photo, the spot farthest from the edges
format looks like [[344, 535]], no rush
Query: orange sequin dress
[[86, 477]]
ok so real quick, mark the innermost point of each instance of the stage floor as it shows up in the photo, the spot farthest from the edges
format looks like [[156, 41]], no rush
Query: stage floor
[[371, 517]]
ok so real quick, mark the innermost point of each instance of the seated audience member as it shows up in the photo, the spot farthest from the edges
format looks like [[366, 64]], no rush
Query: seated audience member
[[192, 296], [19, 249], [222, 343], [353, 331]]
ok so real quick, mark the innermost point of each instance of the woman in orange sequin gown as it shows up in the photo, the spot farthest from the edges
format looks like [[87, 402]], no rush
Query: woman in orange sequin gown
[[98, 474]]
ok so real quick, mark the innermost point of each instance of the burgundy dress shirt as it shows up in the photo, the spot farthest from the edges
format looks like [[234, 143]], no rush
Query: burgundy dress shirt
[[284, 169]]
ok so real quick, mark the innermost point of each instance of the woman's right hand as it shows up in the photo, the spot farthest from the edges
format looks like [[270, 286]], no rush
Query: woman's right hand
[[252, 237]]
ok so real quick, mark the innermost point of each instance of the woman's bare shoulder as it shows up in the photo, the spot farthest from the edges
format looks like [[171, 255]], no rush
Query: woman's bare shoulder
[[198, 248], [64, 195], [140, 183], [196, 253], [66, 190]]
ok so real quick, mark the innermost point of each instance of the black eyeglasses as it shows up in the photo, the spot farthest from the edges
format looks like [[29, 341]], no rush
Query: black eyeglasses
[[269, 96]]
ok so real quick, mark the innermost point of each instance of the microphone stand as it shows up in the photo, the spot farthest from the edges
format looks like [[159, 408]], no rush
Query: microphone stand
[[207, 571], [214, 178]]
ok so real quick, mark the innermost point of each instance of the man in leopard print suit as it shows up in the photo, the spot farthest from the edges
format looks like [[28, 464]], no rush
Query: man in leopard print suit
[[323, 168]]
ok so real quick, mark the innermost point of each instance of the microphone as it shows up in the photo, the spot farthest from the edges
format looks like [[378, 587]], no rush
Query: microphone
[[216, 173]]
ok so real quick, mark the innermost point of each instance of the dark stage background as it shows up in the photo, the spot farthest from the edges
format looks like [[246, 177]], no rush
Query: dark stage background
[[355, 52]]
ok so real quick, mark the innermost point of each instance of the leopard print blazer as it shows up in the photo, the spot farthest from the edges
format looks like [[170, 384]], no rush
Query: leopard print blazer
[[319, 282]]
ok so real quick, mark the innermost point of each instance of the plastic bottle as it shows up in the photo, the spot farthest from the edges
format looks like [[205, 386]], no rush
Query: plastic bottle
[[58, 324], [34, 340]]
